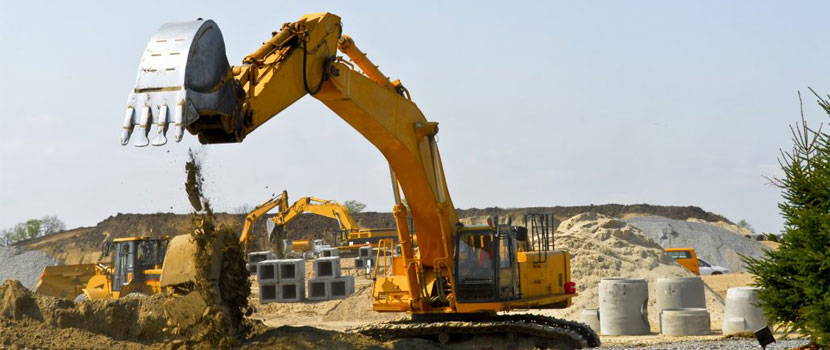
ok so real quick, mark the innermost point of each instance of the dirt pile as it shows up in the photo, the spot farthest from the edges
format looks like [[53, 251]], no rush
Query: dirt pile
[[138, 318], [603, 247]]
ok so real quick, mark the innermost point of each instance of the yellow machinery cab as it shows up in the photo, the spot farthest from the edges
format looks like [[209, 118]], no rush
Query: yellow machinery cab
[[136, 268], [686, 257]]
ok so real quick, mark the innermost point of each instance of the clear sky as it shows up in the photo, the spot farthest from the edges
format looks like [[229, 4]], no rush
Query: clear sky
[[550, 103]]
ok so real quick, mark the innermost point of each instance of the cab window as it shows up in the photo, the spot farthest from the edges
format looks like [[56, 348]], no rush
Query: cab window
[[476, 266], [680, 254]]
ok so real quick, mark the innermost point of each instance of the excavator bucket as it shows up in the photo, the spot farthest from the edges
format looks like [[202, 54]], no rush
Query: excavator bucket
[[183, 80]]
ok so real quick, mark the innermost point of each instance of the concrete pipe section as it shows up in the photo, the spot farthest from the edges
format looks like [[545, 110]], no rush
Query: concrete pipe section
[[684, 321], [742, 313], [591, 318], [680, 293], [623, 304]]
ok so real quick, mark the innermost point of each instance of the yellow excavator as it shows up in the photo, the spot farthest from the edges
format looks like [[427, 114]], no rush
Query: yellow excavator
[[460, 277], [351, 235]]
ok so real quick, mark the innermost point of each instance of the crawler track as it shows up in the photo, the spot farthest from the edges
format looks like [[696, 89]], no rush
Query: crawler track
[[542, 331]]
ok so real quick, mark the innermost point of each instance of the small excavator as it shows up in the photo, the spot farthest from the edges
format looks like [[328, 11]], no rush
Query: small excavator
[[351, 235], [459, 278]]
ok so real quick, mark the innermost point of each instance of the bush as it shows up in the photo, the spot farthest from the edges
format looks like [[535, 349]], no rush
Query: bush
[[795, 279]]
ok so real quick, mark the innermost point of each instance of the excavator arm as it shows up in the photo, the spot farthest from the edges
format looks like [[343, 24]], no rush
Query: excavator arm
[[195, 89], [280, 201], [286, 214]]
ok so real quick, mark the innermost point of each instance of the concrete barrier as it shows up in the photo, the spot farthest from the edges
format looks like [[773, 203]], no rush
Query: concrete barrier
[[591, 318], [684, 321], [679, 293], [623, 305], [741, 313]]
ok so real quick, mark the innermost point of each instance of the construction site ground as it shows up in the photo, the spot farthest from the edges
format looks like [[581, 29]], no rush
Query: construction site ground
[[601, 247]]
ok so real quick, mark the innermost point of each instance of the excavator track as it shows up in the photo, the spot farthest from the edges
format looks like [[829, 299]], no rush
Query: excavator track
[[547, 332]]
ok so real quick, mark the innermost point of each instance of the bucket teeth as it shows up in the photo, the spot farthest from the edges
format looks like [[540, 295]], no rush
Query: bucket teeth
[[161, 127], [178, 128], [129, 124], [144, 118]]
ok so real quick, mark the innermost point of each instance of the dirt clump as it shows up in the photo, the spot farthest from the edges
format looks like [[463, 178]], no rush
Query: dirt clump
[[16, 302]]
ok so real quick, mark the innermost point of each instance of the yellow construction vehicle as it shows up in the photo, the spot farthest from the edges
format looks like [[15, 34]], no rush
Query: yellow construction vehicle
[[135, 268], [351, 235], [459, 277]]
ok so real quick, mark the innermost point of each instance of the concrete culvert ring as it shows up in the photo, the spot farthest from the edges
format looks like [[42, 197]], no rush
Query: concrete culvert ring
[[684, 321]]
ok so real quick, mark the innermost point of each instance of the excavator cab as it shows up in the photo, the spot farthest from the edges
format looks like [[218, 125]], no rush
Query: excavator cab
[[487, 266]]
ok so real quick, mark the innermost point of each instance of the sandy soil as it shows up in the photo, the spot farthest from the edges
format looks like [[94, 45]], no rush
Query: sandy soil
[[720, 283]]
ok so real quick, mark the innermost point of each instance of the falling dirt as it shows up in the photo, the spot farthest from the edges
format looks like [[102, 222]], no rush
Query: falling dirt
[[210, 310]]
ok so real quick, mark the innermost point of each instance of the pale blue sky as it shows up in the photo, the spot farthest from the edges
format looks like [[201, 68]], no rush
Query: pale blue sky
[[555, 103]]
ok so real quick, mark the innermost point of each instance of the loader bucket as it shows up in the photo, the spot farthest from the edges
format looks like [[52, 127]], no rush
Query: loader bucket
[[66, 281], [183, 80]]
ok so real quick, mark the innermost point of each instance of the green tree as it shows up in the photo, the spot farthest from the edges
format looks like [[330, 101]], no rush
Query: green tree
[[354, 206], [744, 224], [795, 279], [31, 228]]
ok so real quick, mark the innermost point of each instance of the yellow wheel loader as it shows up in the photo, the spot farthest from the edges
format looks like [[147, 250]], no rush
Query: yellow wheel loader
[[135, 268]]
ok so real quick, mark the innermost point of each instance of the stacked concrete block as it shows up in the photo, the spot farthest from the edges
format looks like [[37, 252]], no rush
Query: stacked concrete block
[[328, 282], [365, 257], [342, 287], [281, 280], [329, 252], [327, 267], [256, 257]]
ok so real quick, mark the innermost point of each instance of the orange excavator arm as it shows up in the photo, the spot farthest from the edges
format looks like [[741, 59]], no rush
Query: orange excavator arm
[[280, 202], [227, 103]]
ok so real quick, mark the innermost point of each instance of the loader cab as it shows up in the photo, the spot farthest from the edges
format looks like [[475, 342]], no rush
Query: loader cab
[[486, 267], [133, 256]]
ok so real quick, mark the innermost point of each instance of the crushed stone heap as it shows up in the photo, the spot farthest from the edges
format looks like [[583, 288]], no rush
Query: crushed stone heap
[[23, 265], [714, 244]]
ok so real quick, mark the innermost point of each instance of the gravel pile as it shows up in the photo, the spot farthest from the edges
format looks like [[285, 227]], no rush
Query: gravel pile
[[23, 265], [716, 245], [734, 344]]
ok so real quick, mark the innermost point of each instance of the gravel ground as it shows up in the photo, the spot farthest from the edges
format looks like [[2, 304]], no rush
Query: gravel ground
[[716, 245], [733, 344], [23, 265]]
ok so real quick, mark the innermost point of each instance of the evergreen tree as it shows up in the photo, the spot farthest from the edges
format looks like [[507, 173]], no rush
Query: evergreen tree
[[795, 279]]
